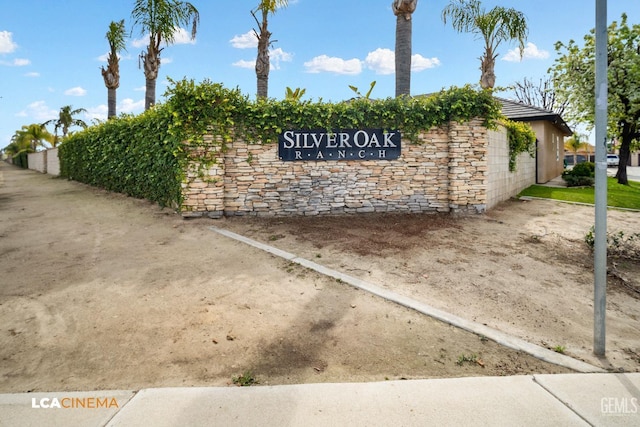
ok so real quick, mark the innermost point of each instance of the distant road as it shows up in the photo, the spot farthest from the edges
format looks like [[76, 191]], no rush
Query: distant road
[[633, 172]]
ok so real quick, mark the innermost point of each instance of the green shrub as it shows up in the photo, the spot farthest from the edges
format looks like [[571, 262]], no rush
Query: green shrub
[[582, 174], [619, 244], [584, 169], [134, 155]]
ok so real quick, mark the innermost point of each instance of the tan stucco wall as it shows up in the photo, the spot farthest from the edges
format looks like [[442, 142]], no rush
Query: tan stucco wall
[[550, 151]]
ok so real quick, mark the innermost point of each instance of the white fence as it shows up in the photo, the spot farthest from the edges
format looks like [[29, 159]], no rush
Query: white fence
[[45, 161]]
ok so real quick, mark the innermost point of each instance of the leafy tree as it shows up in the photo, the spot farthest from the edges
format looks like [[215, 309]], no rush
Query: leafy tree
[[574, 76], [263, 64], [66, 119], [111, 75], [160, 19], [494, 27], [542, 94], [403, 9]]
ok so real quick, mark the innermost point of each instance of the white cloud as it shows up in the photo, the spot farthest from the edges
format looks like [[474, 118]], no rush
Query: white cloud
[[6, 42], [141, 42], [181, 36], [275, 57], [324, 63], [140, 89], [419, 63], [245, 41], [127, 105], [531, 51], [100, 112], [32, 74], [105, 57], [39, 112], [244, 64], [382, 61], [75, 91], [17, 62]]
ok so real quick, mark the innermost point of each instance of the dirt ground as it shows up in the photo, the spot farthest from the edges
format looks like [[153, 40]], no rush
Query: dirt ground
[[102, 291]]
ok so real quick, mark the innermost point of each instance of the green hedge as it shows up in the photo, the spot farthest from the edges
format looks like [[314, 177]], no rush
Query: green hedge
[[131, 155], [142, 155], [21, 160]]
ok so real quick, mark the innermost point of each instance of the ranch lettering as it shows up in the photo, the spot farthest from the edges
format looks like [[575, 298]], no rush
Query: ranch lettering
[[345, 144]]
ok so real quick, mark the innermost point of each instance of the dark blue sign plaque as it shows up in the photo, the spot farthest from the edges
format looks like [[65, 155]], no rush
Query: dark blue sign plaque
[[344, 144]]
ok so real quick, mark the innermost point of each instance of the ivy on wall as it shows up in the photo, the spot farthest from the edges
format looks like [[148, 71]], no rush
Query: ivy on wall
[[522, 139], [209, 107], [143, 156]]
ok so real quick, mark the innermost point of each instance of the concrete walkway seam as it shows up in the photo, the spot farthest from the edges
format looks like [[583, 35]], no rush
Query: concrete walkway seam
[[565, 403], [473, 327]]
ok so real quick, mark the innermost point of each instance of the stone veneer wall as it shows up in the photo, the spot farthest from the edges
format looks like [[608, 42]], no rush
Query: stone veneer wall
[[447, 172]]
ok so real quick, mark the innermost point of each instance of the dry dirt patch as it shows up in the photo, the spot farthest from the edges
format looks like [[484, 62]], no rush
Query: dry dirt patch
[[523, 268], [101, 291]]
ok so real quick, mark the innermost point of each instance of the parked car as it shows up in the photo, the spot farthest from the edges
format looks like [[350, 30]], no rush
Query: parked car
[[613, 160]]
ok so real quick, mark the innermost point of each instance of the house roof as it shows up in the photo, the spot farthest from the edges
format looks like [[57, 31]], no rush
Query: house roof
[[520, 112]]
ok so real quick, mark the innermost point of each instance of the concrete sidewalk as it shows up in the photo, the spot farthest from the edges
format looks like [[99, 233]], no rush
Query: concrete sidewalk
[[539, 400]]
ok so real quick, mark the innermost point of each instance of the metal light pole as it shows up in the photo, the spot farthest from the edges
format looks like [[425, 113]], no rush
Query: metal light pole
[[600, 243]]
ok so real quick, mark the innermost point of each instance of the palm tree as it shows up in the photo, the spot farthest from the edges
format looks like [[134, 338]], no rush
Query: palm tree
[[264, 42], [111, 75], [161, 19], [403, 10], [495, 26], [65, 121], [294, 95], [30, 137], [575, 144]]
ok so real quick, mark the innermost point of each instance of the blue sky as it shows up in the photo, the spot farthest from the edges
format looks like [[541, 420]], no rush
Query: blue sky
[[51, 51]]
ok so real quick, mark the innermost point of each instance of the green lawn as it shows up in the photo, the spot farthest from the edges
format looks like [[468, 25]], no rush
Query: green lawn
[[621, 196]]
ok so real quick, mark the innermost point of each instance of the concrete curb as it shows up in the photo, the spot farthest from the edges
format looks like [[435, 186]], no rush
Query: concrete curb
[[474, 327], [531, 400]]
